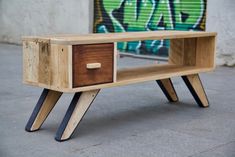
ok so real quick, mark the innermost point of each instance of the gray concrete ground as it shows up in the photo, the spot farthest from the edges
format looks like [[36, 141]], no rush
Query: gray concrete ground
[[133, 120]]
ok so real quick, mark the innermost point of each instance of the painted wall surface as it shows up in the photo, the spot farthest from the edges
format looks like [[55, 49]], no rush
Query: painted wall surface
[[147, 15], [29, 17], [221, 18]]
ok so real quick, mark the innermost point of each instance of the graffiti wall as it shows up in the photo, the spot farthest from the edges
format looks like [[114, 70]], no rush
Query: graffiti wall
[[148, 15]]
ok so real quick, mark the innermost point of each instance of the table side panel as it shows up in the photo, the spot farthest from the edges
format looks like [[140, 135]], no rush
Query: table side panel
[[30, 61], [205, 52], [176, 52], [183, 51], [46, 64], [190, 45], [198, 52], [61, 66]]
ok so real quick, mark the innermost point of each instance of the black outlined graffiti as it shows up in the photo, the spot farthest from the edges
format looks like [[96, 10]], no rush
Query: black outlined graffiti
[[148, 15]]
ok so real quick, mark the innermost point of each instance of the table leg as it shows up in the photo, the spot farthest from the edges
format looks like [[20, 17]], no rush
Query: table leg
[[195, 86], [42, 109], [168, 89], [77, 109]]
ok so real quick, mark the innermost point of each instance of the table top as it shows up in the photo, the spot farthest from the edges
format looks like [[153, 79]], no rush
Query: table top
[[72, 39]]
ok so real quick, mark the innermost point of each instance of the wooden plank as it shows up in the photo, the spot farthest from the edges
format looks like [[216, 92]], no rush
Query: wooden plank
[[115, 57], [176, 55], [156, 72], [190, 51], [138, 75], [60, 66], [47, 64], [70, 66], [63, 66], [30, 62], [205, 52], [183, 51], [44, 67], [118, 37], [54, 66]]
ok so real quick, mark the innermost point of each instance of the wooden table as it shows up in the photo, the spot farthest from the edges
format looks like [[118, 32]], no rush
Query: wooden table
[[84, 64]]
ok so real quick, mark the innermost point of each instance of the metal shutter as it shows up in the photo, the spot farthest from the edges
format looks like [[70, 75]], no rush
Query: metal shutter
[[147, 15]]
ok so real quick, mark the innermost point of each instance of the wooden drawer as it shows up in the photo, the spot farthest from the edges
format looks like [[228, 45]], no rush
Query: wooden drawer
[[92, 64]]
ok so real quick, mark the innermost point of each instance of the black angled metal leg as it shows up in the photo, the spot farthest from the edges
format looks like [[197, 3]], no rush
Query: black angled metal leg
[[77, 109], [168, 89], [195, 86], [42, 109]]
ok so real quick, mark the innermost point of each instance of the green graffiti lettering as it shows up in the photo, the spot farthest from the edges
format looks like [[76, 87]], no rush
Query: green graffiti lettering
[[188, 14], [161, 18], [145, 15]]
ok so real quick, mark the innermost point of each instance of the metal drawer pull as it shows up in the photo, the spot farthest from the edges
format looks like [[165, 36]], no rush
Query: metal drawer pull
[[93, 66]]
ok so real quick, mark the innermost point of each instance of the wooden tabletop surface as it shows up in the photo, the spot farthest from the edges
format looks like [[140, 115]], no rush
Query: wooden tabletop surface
[[72, 39]]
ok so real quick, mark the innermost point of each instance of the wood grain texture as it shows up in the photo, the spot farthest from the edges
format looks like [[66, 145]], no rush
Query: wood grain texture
[[60, 66], [70, 39], [193, 51], [176, 52], [44, 67], [190, 46], [63, 66], [168, 89], [115, 57], [88, 54], [30, 61], [137, 75], [47, 64], [205, 52], [77, 109], [195, 86], [190, 53], [183, 51]]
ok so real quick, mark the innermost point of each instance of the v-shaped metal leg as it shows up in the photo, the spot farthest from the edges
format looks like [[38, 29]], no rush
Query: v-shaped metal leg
[[42, 109], [195, 86], [77, 109], [168, 89]]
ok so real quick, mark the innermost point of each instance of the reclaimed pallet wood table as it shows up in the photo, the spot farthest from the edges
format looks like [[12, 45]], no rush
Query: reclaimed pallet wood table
[[85, 64]]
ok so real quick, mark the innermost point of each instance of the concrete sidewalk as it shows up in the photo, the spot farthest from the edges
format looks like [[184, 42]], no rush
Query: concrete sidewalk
[[134, 120]]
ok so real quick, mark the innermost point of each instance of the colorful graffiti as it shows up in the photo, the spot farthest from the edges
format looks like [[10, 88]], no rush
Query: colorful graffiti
[[148, 15]]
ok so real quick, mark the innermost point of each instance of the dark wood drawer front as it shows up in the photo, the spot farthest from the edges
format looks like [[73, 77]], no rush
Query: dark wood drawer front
[[92, 64]]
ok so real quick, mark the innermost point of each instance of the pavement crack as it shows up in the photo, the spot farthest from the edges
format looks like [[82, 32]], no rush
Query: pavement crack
[[81, 149]]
